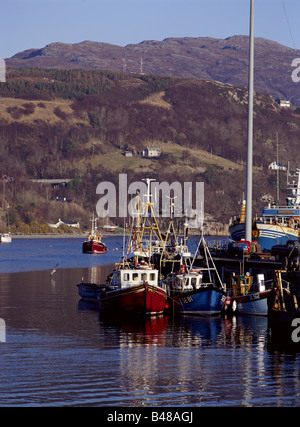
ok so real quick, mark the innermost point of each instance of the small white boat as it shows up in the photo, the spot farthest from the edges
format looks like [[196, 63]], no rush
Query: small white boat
[[6, 238]]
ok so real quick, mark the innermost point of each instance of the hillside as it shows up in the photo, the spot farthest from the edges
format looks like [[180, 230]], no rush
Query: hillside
[[201, 58], [78, 124]]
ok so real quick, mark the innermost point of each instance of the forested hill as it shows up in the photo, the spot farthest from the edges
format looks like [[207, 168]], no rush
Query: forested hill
[[78, 124]]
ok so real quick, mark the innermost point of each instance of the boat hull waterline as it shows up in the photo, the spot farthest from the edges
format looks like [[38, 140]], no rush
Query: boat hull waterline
[[93, 247], [140, 299], [253, 303], [207, 301], [266, 235]]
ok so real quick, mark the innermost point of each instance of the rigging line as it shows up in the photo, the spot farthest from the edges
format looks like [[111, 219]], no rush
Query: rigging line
[[288, 23]]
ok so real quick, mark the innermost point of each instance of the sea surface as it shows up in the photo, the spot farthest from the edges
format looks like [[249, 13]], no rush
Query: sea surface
[[57, 350]]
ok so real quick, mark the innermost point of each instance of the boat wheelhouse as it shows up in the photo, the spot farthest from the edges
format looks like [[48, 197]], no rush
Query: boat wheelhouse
[[125, 278]]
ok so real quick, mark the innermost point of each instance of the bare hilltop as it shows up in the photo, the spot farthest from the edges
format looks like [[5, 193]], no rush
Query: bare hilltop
[[201, 58]]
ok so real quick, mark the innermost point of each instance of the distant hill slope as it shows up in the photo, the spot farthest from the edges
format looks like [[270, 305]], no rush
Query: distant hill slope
[[202, 58], [79, 123]]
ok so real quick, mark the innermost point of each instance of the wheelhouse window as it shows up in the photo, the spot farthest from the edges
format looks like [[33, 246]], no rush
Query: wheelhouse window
[[194, 281]]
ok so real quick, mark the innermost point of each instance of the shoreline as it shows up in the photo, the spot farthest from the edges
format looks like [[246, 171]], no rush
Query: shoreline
[[47, 236], [82, 236], [58, 236]]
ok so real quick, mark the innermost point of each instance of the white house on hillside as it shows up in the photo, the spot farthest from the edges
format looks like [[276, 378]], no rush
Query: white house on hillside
[[277, 166], [285, 104], [71, 224], [152, 152]]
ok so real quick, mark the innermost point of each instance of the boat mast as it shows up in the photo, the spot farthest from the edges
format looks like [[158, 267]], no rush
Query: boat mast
[[248, 234]]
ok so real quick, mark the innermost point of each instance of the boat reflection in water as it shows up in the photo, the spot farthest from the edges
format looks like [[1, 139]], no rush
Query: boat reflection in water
[[196, 361], [191, 361]]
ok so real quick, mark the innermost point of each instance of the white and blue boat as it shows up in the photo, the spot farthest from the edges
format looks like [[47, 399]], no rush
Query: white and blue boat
[[276, 224], [188, 294], [196, 290]]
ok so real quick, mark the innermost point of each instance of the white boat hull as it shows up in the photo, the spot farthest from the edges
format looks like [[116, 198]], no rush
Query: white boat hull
[[6, 238]]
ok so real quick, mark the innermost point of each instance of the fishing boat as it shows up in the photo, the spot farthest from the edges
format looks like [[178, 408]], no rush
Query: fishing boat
[[134, 290], [196, 290], [134, 286], [94, 244], [248, 297], [276, 224]]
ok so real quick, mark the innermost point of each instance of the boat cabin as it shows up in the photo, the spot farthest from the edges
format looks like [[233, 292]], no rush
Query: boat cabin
[[187, 282], [94, 238], [126, 278], [244, 285], [240, 285], [281, 216]]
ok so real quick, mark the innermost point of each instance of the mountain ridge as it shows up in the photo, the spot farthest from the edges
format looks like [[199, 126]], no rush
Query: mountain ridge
[[224, 60]]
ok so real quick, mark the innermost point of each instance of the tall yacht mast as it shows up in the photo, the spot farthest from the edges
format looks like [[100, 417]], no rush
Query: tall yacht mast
[[248, 234]]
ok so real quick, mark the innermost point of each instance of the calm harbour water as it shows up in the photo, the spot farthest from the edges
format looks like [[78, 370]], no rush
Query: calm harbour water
[[58, 351]]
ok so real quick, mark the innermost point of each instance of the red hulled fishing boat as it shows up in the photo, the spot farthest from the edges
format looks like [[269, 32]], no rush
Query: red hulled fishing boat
[[94, 244]]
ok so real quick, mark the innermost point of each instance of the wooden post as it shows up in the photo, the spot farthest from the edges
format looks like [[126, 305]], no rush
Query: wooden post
[[281, 291]]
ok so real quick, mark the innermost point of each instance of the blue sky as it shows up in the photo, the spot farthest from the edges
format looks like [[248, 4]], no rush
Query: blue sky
[[29, 24]]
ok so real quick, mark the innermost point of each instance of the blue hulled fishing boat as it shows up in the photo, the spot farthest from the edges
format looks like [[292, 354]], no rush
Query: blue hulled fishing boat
[[276, 224], [196, 290]]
